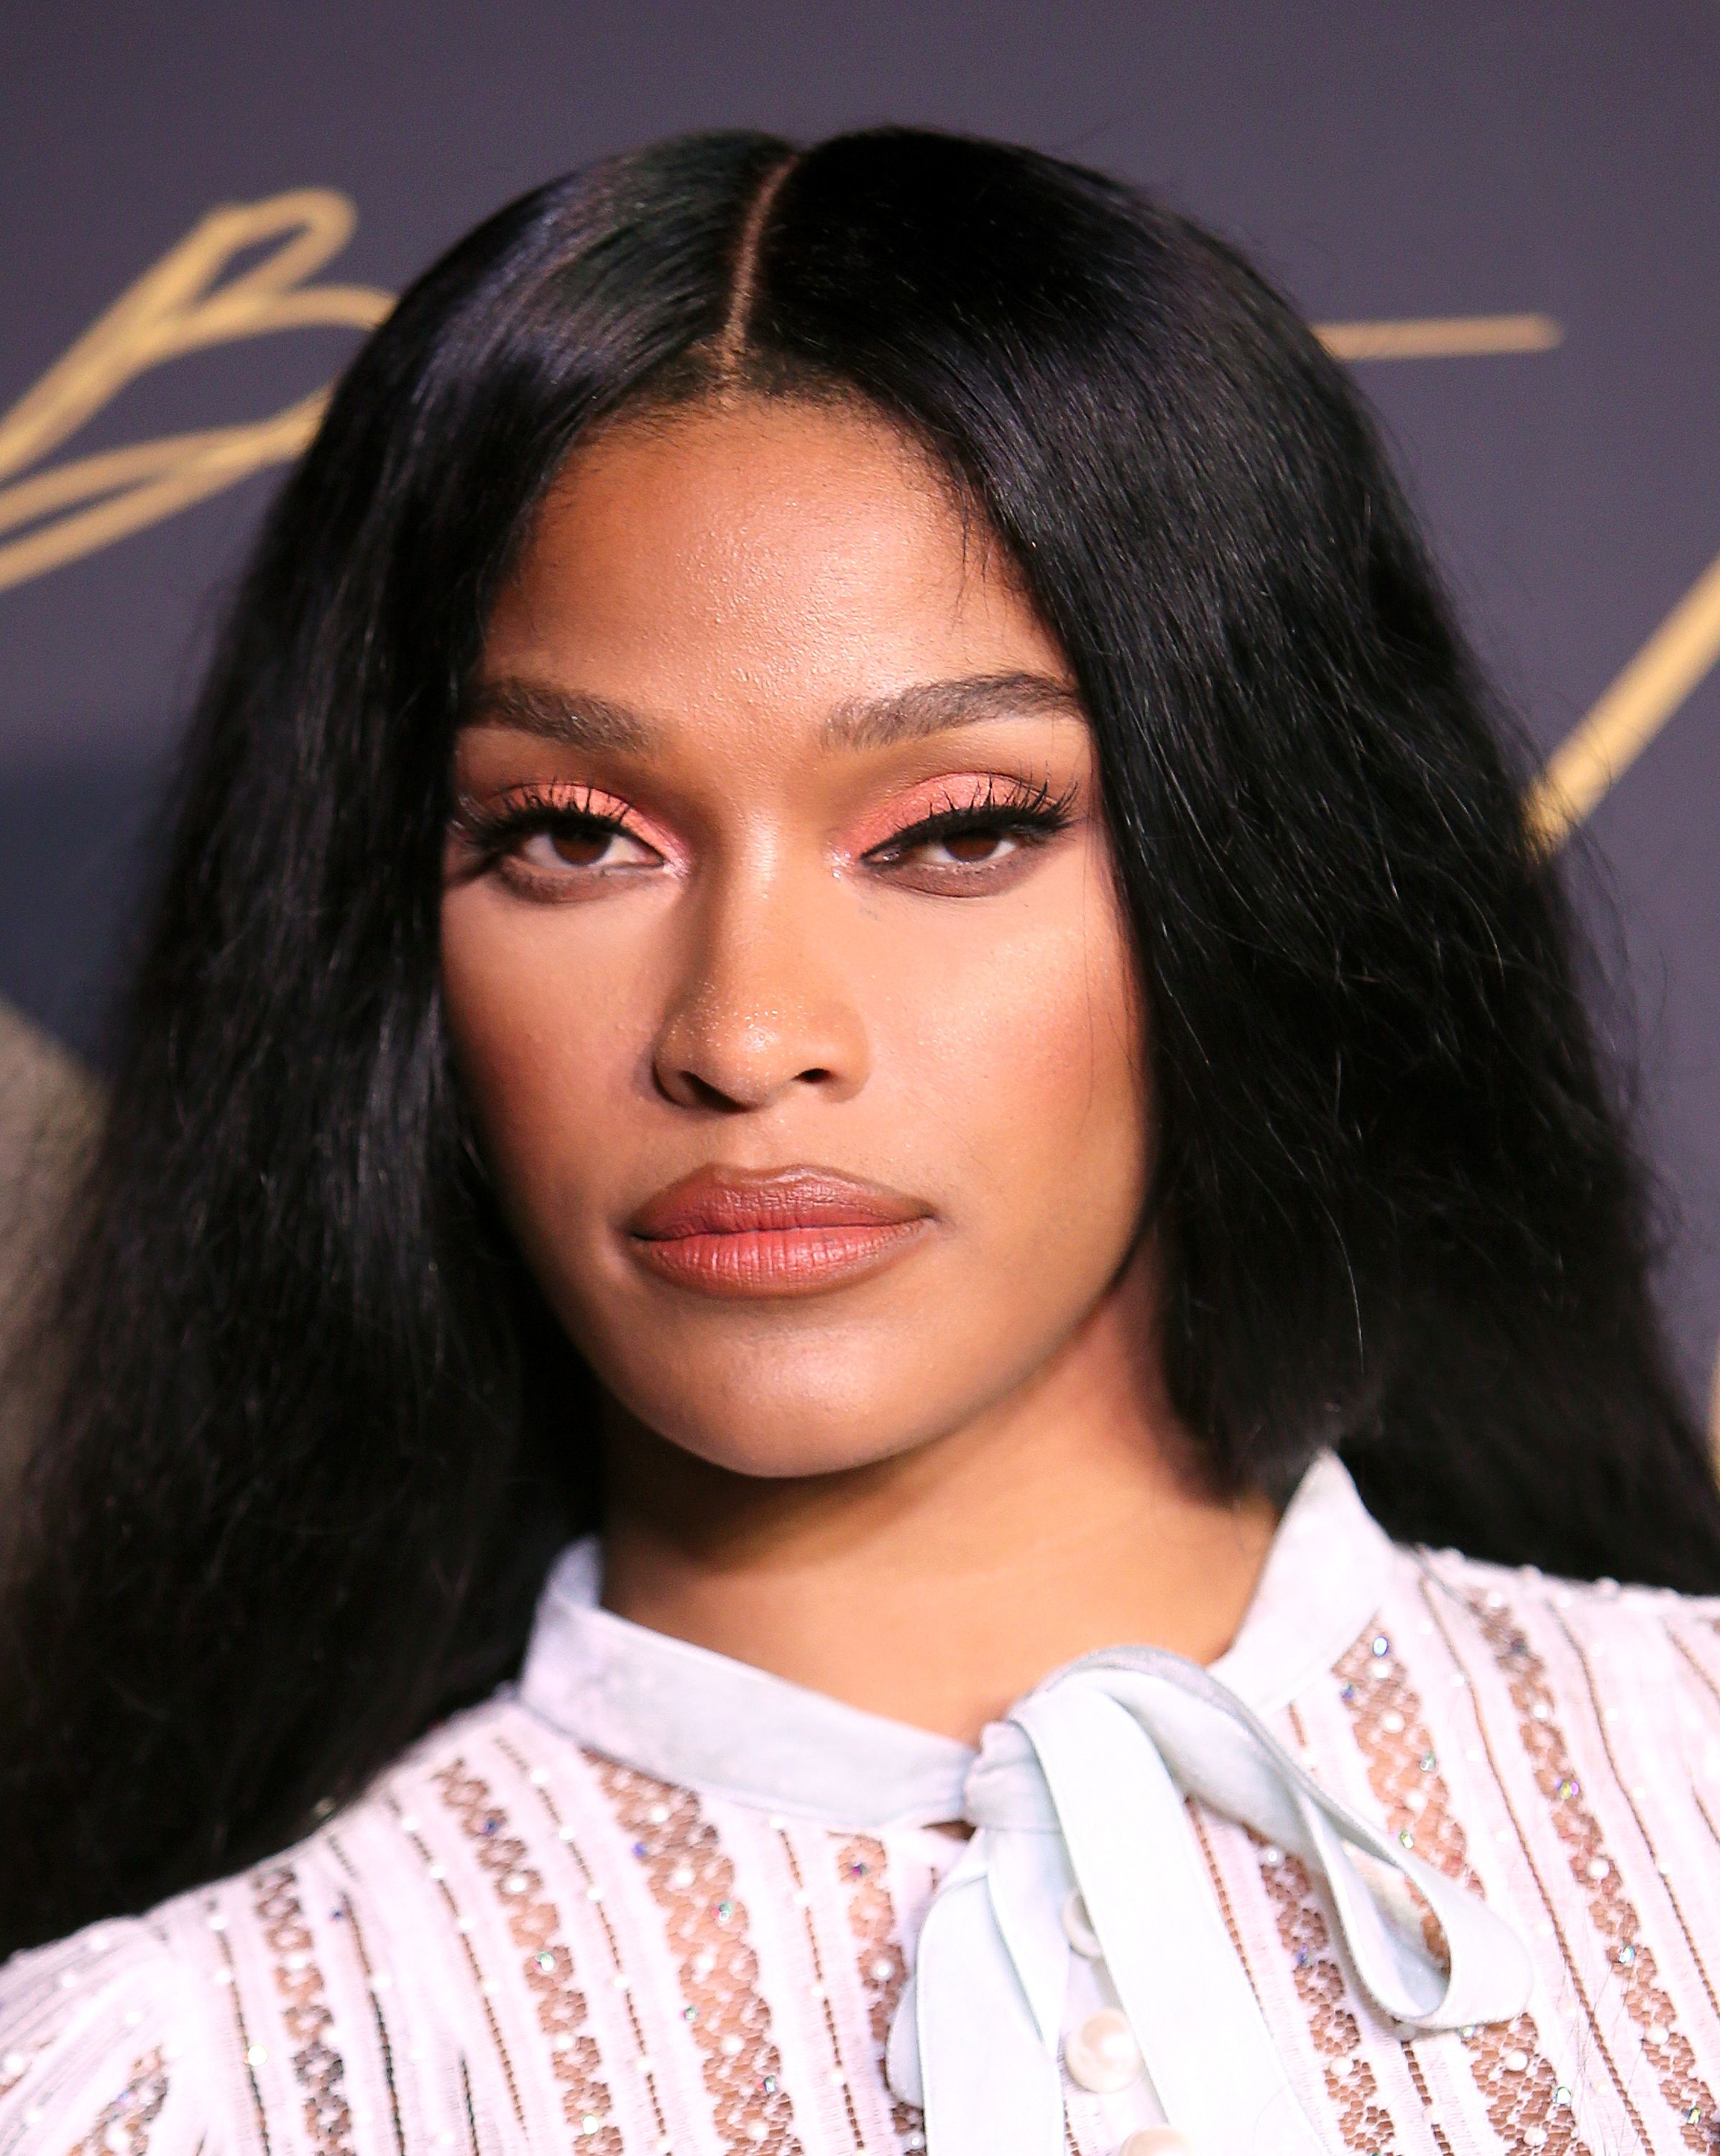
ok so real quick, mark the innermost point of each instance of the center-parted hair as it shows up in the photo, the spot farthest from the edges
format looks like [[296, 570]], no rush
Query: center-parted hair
[[318, 1436]]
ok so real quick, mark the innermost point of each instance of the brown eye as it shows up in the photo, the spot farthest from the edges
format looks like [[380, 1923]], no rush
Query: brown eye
[[976, 846], [581, 847], [584, 843], [972, 846]]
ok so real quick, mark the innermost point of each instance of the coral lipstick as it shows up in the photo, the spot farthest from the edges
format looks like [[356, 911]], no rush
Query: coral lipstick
[[734, 1234]]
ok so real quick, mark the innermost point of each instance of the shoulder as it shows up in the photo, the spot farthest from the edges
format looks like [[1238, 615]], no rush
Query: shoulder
[[1610, 1640], [1607, 1695], [102, 2041], [288, 1989]]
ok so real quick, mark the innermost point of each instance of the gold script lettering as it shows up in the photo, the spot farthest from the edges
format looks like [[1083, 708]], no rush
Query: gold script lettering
[[181, 305], [1440, 337], [1602, 747]]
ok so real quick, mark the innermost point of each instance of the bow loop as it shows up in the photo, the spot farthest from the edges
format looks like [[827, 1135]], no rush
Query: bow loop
[[1219, 1751], [1084, 1786]]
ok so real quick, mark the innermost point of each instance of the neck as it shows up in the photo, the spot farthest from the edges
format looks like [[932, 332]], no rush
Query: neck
[[936, 1586]]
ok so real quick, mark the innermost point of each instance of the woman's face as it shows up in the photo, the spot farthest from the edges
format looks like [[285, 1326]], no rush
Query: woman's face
[[781, 954]]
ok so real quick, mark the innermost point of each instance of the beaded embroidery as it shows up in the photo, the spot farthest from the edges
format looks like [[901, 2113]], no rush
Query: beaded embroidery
[[1362, 2118], [1664, 2044], [883, 1966], [122, 2129], [317, 2068], [1515, 2080], [693, 1884], [548, 1964]]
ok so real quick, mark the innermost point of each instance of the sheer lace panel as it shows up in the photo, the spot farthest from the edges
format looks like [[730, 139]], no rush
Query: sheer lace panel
[[692, 1881]]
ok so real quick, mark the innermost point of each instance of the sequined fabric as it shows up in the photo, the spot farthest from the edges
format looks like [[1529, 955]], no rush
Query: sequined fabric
[[515, 1944]]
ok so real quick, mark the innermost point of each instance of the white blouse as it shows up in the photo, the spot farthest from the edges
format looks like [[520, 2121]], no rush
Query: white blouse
[[1429, 1862]]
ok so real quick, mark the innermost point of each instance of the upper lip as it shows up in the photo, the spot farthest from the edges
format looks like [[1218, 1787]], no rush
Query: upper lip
[[736, 1201]]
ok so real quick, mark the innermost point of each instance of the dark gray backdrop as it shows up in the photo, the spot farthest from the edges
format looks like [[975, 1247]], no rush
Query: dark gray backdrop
[[1385, 163]]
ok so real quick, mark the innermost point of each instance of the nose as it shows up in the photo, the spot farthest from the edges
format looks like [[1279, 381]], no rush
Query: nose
[[762, 1006]]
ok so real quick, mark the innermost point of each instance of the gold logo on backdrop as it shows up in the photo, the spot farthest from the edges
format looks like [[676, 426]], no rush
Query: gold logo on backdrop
[[187, 302], [193, 298]]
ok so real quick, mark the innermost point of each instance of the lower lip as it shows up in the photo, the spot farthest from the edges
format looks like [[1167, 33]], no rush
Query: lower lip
[[756, 1262]]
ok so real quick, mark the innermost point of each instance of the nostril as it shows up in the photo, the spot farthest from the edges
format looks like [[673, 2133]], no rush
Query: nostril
[[701, 1093], [691, 1090]]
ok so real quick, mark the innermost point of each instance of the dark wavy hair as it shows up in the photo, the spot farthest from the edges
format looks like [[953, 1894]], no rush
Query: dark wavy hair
[[319, 1437]]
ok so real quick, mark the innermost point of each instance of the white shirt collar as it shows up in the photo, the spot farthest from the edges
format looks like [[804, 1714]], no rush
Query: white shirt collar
[[685, 1715]]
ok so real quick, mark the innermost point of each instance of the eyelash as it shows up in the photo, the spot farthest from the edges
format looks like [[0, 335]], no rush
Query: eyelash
[[492, 833], [1014, 808], [1026, 810]]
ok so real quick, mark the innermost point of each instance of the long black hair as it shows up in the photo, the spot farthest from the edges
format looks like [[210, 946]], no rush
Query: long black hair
[[319, 1437]]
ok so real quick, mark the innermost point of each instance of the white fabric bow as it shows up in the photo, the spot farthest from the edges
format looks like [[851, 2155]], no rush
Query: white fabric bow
[[1082, 1787]]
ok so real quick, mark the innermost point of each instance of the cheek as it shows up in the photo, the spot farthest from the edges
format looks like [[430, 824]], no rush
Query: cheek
[[537, 1028], [1023, 1050]]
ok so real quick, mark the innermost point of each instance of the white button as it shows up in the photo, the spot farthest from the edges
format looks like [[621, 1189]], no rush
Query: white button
[[1102, 2053], [1077, 1928], [1157, 2141]]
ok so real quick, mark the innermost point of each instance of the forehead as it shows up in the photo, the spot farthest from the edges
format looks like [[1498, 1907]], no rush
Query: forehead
[[758, 559]]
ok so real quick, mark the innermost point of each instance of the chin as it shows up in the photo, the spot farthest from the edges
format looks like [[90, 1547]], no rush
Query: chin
[[795, 1460], [780, 1437]]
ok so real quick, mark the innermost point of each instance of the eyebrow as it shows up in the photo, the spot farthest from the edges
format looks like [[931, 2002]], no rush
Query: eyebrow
[[578, 720], [931, 707]]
